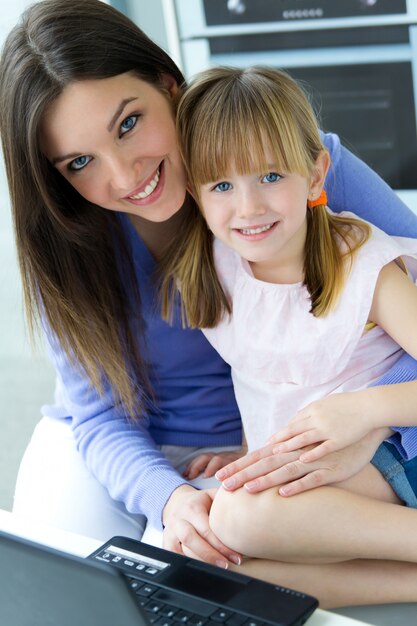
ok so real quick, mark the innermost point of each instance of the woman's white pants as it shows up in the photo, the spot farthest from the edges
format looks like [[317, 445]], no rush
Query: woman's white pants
[[55, 487]]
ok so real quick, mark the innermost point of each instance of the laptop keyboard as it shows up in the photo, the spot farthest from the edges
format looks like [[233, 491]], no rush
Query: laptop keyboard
[[158, 603], [176, 591]]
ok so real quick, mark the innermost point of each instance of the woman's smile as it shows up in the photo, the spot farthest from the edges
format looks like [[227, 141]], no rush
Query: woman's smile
[[149, 191]]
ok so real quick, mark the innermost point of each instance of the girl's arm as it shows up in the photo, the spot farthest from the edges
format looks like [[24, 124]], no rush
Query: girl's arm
[[353, 186], [341, 419]]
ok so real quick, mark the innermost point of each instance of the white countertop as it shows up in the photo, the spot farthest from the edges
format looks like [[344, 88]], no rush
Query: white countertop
[[82, 546]]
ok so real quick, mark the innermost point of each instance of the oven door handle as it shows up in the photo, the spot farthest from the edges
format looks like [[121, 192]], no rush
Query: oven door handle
[[349, 55]]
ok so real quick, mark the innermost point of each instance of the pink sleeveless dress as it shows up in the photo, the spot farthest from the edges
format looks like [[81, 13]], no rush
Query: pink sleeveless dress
[[282, 357]]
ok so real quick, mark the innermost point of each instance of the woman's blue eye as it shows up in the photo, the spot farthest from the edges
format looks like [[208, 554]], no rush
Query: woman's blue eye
[[271, 177], [223, 186], [128, 124], [79, 163]]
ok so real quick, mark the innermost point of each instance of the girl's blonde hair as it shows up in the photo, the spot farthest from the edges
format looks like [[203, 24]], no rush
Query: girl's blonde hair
[[229, 118]]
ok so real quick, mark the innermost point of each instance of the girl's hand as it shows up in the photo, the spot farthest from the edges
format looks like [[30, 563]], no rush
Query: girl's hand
[[260, 466], [210, 462], [262, 469], [187, 530], [329, 424]]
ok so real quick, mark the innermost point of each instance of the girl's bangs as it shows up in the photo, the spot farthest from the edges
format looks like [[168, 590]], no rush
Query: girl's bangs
[[235, 143]]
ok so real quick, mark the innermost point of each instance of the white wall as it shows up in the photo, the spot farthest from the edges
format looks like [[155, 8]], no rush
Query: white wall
[[26, 379]]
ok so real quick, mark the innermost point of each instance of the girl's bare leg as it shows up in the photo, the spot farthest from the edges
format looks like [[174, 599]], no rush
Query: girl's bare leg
[[341, 584], [359, 519]]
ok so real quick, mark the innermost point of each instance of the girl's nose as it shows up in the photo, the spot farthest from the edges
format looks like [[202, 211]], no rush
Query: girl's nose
[[249, 204]]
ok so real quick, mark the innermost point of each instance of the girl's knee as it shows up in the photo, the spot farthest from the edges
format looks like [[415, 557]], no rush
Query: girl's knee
[[229, 518], [242, 521], [263, 525]]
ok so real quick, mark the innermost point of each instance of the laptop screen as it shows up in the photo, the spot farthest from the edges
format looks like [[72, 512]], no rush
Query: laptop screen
[[43, 587]]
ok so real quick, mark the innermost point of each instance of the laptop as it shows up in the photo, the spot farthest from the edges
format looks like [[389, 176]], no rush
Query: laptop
[[129, 583]]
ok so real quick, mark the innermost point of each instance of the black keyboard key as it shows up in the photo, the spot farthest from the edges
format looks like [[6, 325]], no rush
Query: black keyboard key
[[153, 607], [168, 611], [182, 617], [164, 621], [196, 620], [135, 584], [236, 620], [146, 590], [221, 615], [191, 604], [152, 571]]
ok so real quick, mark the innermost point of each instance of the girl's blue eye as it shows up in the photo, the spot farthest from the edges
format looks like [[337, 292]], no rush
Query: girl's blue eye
[[128, 124], [79, 163], [223, 186], [271, 177]]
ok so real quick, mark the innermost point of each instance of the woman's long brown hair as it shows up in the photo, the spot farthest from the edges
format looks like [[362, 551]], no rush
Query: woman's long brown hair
[[74, 258], [225, 119]]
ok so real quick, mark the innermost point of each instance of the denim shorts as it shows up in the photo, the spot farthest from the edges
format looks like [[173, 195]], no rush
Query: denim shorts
[[398, 472]]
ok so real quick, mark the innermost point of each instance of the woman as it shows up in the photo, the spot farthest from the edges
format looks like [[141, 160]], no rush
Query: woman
[[98, 195]]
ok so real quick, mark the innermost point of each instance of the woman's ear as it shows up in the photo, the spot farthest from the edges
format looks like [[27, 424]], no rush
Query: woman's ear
[[169, 84], [319, 173], [190, 190]]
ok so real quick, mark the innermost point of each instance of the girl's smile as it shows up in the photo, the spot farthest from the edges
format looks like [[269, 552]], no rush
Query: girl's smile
[[114, 140], [257, 233]]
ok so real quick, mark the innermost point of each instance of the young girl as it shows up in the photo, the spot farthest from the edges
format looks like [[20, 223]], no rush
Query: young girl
[[306, 306]]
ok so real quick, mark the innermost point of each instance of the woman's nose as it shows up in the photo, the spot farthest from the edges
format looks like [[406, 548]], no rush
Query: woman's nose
[[123, 173]]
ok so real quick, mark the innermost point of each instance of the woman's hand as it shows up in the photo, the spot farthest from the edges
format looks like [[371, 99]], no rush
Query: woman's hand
[[210, 462], [262, 469], [332, 423], [187, 531]]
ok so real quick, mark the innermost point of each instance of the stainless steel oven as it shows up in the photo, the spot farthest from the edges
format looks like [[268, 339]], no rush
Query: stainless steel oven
[[358, 58]]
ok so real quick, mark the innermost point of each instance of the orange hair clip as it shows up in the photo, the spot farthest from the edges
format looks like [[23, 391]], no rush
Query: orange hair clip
[[322, 199]]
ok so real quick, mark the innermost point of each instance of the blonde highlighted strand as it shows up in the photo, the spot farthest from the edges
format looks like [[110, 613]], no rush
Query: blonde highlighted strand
[[331, 243], [191, 262]]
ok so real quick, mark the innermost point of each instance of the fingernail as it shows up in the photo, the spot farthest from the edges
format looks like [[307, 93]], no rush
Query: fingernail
[[284, 491], [235, 559], [229, 483], [220, 474], [222, 564], [252, 485]]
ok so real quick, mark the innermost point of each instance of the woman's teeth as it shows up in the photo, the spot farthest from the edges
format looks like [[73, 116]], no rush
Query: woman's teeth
[[148, 189], [255, 231]]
